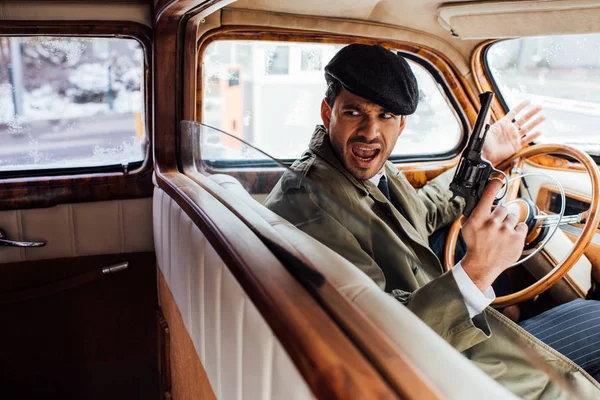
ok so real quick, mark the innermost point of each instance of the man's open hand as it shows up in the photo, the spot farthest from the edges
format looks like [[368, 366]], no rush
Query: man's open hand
[[505, 137], [494, 239]]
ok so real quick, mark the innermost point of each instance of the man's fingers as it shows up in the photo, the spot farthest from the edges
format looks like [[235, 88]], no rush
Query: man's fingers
[[528, 115], [511, 220], [525, 140], [521, 229], [484, 207], [513, 113], [527, 128], [499, 214]]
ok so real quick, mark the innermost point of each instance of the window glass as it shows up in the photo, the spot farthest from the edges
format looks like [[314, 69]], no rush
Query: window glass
[[275, 101], [560, 73], [70, 102]]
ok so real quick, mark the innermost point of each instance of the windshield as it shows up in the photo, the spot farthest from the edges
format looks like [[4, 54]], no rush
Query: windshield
[[391, 247], [560, 73]]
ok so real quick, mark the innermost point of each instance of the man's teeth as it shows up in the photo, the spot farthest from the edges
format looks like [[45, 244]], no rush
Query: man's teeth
[[364, 153]]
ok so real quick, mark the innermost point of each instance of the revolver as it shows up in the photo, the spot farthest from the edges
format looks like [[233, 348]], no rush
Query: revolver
[[473, 172]]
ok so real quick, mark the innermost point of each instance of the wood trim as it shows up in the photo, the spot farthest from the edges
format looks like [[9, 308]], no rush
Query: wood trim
[[36, 192], [190, 69], [181, 373], [555, 163], [328, 360], [164, 354], [262, 180], [417, 173], [482, 80], [543, 197], [389, 360], [456, 83], [169, 39]]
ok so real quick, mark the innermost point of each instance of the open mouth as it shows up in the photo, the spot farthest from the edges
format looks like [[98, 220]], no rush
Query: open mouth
[[363, 154]]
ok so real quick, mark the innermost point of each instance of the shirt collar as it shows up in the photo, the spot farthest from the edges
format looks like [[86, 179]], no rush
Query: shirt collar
[[377, 177], [319, 144]]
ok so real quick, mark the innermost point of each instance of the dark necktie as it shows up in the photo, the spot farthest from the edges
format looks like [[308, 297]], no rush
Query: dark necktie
[[385, 189]]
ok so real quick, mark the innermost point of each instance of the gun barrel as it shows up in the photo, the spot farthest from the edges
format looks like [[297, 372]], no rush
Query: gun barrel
[[482, 120]]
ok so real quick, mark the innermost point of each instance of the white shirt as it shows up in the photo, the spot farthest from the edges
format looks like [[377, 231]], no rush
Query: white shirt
[[475, 300]]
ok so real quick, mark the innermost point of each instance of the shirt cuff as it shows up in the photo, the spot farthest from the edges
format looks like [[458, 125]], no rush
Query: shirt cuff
[[475, 300]]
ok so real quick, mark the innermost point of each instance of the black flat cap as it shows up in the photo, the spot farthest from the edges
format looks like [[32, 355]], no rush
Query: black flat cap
[[376, 74]]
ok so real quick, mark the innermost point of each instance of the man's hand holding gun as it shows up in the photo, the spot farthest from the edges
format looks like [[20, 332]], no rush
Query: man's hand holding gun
[[494, 237]]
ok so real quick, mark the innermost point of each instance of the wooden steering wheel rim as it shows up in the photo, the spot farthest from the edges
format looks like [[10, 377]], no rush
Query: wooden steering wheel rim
[[591, 225]]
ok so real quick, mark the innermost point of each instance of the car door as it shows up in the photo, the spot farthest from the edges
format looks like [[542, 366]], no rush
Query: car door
[[77, 266]]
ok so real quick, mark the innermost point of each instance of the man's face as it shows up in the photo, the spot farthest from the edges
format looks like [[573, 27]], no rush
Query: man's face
[[363, 134]]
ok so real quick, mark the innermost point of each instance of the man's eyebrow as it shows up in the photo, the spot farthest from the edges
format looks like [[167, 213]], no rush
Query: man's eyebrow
[[353, 106]]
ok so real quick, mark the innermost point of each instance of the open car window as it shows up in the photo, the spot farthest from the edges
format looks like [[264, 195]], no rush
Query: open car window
[[70, 103], [560, 73], [311, 207], [269, 94]]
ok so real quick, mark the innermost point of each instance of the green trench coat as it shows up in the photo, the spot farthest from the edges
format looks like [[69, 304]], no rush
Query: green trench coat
[[354, 218]]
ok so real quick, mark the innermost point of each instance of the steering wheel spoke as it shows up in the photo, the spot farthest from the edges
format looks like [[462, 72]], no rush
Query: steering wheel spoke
[[549, 220]]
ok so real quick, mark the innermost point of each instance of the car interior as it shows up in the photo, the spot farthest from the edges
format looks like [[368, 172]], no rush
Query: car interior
[[140, 139]]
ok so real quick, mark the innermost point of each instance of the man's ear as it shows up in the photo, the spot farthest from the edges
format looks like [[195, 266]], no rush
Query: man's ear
[[325, 113]]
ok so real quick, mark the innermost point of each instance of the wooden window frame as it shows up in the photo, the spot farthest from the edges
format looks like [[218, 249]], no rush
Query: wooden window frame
[[418, 169], [46, 188]]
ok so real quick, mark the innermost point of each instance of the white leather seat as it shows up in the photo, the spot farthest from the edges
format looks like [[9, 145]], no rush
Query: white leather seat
[[454, 375], [241, 355]]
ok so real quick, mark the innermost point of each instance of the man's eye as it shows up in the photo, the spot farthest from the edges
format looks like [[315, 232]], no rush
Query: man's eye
[[352, 113], [386, 115]]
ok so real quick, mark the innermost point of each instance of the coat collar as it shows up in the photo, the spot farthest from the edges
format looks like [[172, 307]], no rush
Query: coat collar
[[320, 145]]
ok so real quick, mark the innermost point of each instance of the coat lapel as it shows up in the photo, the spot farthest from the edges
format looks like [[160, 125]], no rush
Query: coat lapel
[[320, 145]]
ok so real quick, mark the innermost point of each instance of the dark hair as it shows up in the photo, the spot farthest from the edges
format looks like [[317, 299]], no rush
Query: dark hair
[[334, 87]]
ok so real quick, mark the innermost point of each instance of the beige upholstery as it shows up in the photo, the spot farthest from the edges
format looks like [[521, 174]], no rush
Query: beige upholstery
[[345, 26], [241, 355], [506, 19], [81, 229], [452, 374], [70, 11]]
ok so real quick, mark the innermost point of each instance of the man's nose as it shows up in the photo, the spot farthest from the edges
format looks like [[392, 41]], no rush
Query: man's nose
[[370, 129]]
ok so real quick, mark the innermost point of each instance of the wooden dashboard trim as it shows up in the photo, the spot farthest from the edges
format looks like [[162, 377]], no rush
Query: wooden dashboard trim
[[543, 197], [47, 191], [331, 364], [555, 163]]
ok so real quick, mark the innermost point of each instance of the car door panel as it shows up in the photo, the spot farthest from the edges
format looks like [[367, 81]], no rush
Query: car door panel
[[80, 229]]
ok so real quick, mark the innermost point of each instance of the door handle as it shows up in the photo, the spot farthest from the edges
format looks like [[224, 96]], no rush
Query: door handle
[[15, 243]]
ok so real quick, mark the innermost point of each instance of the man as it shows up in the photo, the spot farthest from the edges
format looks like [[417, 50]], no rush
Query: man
[[370, 93]]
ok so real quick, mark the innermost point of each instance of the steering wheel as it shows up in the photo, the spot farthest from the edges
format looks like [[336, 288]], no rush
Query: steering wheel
[[532, 216]]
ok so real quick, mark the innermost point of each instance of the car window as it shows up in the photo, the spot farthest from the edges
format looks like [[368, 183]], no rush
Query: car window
[[70, 102], [269, 94], [560, 73]]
